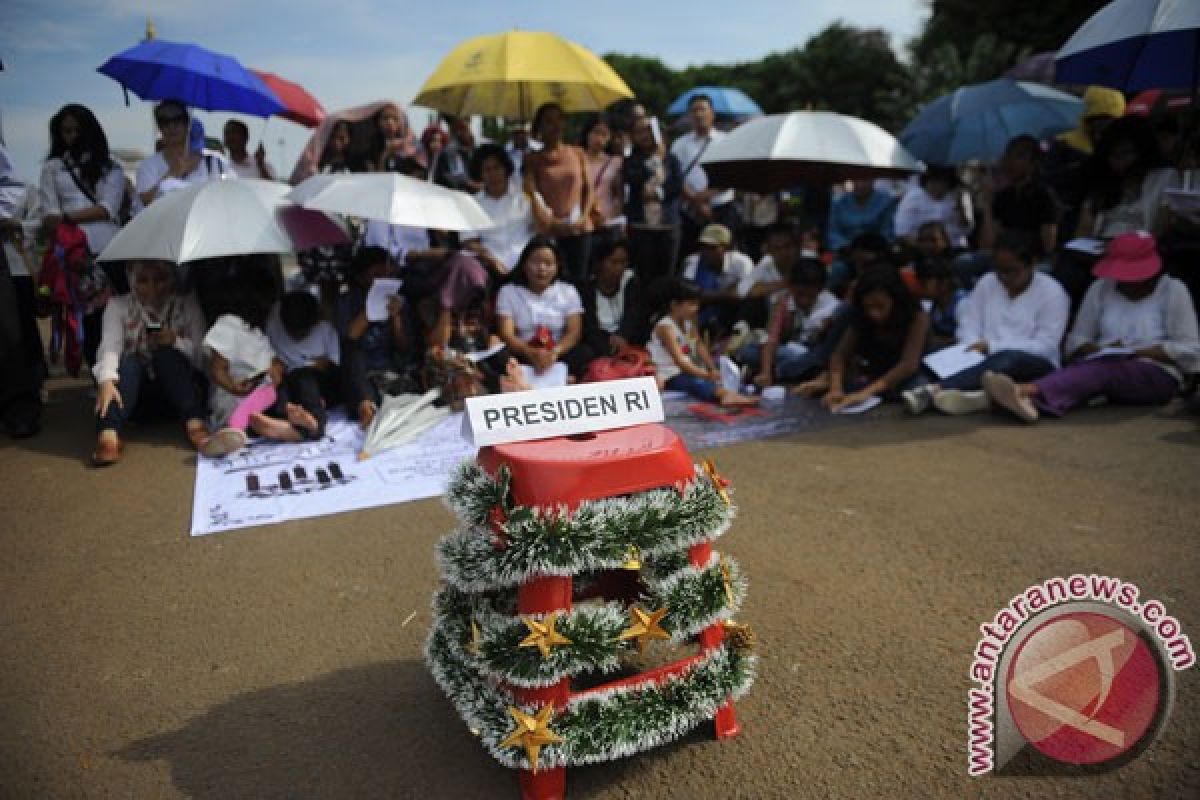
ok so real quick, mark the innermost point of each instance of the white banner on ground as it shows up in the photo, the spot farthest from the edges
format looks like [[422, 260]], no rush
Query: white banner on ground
[[272, 482], [545, 413]]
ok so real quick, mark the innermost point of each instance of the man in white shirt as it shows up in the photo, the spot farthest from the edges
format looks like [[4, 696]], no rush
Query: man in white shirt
[[702, 204], [236, 136], [1015, 318], [720, 272]]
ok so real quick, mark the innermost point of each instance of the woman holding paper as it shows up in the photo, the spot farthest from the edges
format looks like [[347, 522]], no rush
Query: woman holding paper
[[1133, 342], [879, 355], [538, 316], [1011, 323]]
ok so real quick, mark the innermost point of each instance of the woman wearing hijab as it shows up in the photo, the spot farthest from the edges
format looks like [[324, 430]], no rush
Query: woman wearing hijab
[[149, 355]]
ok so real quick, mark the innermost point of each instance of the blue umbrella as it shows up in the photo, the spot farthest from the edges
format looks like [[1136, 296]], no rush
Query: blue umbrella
[[726, 102], [978, 121], [1136, 44], [160, 70]]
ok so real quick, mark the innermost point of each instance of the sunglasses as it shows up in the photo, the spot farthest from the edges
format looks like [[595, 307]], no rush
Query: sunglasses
[[168, 119]]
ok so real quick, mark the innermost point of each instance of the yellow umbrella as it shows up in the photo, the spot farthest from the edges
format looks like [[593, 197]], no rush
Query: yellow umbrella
[[511, 74]]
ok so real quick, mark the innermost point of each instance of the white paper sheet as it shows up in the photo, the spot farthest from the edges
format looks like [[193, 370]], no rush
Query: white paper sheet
[[274, 482], [1093, 247], [377, 297], [953, 360], [1105, 352], [860, 408]]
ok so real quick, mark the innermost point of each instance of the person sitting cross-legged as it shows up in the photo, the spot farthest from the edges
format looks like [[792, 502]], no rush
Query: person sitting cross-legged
[[1134, 341], [1015, 317]]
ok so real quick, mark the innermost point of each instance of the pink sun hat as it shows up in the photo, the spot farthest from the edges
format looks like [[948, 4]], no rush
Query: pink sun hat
[[1130, 258]]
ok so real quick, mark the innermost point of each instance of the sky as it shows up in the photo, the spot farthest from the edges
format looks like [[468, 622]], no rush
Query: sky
[[349, 52]]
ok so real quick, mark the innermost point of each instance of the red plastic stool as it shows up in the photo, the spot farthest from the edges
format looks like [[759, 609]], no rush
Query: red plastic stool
[[567, 471]]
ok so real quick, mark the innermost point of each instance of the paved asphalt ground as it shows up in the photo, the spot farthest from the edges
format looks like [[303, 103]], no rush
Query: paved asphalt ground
[[136, 662]]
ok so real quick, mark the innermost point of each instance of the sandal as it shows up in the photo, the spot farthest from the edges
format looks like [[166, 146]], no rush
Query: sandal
[[108, 451]]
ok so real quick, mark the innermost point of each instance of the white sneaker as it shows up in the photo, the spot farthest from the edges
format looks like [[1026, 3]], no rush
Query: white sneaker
[[957, 401], [917, 401]]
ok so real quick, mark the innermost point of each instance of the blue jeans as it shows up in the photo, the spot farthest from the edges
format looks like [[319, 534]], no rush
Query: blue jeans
[[701, 388], [1022, 367], [175, 385]]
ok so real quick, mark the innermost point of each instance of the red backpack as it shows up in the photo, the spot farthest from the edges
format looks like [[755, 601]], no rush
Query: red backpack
[[69, 286]]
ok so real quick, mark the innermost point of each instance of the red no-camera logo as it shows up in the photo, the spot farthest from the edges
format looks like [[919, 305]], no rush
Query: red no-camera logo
[[1084, 688]]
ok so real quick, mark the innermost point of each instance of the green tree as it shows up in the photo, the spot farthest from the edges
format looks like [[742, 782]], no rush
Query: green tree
[[654, 84]]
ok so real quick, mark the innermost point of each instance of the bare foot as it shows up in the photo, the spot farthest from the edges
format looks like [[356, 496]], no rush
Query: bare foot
[[197, 432], [299, 417], [727, 398], [812, 388], [279, 430], [366, 414]]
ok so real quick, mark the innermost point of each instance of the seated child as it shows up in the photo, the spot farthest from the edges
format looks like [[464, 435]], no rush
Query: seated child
[[681, 359], [308, 347], [939, 284], [800, 336], [240, 359]]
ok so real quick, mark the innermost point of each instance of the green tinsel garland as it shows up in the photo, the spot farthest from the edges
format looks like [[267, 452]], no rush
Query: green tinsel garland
[[602, 726], [695, 599], [597, 535]]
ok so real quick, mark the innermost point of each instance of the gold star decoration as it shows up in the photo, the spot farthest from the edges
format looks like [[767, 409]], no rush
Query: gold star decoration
[[644, 626], [719, 483], [727, 579], [532, 733], [542, 634], [473, 645], [633, 559]]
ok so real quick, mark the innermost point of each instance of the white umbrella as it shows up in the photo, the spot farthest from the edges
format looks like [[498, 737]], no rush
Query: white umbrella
[[221, 218], [781, 150], [393, 198], [399, 420]]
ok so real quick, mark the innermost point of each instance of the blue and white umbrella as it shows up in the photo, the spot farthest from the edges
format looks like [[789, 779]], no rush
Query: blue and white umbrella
[[977, 122], [1136, 44], [726, 102]]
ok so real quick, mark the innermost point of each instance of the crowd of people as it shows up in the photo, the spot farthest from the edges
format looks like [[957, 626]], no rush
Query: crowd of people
[[1063, 274]]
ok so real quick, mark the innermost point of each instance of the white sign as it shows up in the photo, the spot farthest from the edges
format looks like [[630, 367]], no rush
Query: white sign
[[545, 413]]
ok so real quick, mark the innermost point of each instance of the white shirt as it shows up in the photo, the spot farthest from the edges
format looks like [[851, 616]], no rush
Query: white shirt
[[528, 311], [1032, 322], [321, 341], [917, 207], [686, 148], [212, 167], [738, 270], [806, 326], [248, 352], [1141, 212], [60, 194], [249, 168], [764, 271], [664, 365], [512, 218], [1166, 317], [611, 310]]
